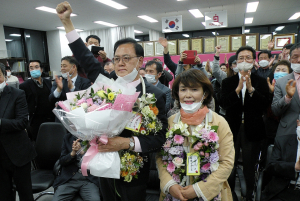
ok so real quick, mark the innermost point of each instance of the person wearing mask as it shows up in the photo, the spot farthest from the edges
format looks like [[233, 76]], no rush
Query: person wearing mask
[[265, 61], [166, 77], [37, 91], [69, 80], [11, 79], [128, 58], [95, 40], [286, 96], [16, 150], [244, 96], [109, 67], [154, 71], [142, 72]]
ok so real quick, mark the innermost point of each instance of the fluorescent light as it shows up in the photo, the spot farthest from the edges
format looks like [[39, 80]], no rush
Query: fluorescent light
[[27, 36], [50, 10], [186, 35], [167, 30], [204, 24], [8, 40], [274, 33], [147, 18], [279, 28], [196, 13], [112, 4], [207, 18], [106, 23], [248, 20], [62, 28], [247, 31], [137, 31], [214, 33], [16, 35], [252, 6], [295, 16], [136, 39]]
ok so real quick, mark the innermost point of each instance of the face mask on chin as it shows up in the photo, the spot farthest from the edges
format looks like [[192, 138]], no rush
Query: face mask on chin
[[192, 108], [8, 74], [295, 67], [131, 76], [65, 75], [2, 85]]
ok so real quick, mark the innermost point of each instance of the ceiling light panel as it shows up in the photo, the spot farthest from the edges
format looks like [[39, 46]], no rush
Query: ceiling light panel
[[295, 16], [279, 28], [137, 31], [248, 20], [196, 13], [112, 4], [147, 18], [252, 6], [51, 10], [247, 31], [8, 40], [105, 23], [186, 35], [16, 35]]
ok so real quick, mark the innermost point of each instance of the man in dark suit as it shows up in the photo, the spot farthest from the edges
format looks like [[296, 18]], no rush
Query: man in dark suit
[[37, 91], [70, 181], [284, 168], [154, 71], [16, 150], [244, 96], [128, 57], [69, 81]]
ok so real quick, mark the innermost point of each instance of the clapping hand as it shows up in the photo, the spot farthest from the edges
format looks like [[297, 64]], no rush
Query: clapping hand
[[290, 88], [271, 61], [271, 86], [59, 83], [271, 44], [175, 191], [75, 147], [248, 83], [240, 85]]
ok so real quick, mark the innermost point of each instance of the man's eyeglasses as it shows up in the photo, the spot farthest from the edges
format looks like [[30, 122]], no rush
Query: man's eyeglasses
[[245, 58], [125, 59]]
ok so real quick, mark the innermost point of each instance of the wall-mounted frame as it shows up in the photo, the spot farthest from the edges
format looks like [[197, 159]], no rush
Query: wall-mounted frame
[[282, 39], [236, 41], [149, 49], [172, 45], [158, 49], [264, 40], [197, 44], [183, 44], [252, 40], [224, 41], [209, 44]]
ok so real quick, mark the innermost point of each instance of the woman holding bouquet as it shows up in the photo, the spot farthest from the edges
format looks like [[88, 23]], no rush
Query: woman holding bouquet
[[198, 155]]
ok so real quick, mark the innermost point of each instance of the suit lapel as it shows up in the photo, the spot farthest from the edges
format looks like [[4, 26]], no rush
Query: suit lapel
[[78, 82], [5, 96], [65, 86]]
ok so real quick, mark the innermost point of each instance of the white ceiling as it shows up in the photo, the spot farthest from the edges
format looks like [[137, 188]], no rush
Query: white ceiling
[[22, 14]]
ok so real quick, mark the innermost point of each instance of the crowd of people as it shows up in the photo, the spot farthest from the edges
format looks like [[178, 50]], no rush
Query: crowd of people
[[243, 105]]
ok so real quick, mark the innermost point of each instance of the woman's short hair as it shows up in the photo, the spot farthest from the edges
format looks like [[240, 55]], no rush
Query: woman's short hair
[[193, 78]]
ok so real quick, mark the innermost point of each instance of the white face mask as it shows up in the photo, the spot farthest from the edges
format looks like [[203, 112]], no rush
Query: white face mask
[[150, 78], [236, 70], [131, 76], [245, 66], [2, 85], [295, 67], [90, 47], [65, 75], [192, 108], [263, 63], [8, 74]]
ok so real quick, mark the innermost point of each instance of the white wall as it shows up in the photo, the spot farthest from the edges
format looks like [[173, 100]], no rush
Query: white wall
[[64, 44], [54, 50], [2, 43]]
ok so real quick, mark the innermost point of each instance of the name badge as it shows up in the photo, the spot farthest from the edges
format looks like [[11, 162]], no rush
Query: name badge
[[135, 123], [193, 164]]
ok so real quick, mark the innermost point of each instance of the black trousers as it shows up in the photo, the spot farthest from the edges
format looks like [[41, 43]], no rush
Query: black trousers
[[250, 153], [21, 177], [110, 188], [288, 194]]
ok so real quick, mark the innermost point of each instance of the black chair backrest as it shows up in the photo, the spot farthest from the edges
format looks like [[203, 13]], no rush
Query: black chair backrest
[[269, 153], [48, 144]]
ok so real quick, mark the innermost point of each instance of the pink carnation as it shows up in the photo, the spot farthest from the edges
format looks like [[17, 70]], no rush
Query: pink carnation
[[80, 101], [201, 153], [196, 148], [171, 167], [89, 102], [167, 144], [206, 167], [199, 144], [213, 137], [178, 139], [206, 144], [92, 108], [206, 155]]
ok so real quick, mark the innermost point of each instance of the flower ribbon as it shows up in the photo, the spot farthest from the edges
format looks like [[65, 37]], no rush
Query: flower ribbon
[[91, 153]]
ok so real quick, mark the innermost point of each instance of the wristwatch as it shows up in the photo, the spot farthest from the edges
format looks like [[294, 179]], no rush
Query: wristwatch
[[131, 144]]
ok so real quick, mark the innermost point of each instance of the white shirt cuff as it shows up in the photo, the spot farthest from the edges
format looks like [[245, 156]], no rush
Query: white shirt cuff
[[137, 145], [56, 93], [72, 36], [199, 192], [72, 88]]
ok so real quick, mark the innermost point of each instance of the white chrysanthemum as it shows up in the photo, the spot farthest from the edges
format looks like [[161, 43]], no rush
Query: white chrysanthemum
[[214, 166]]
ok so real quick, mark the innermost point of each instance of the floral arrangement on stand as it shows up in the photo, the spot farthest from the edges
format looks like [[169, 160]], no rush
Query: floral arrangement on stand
[[131, 161], [204, 143]]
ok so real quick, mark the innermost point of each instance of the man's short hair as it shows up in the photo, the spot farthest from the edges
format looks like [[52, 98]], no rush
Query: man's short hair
[[154, 59], [38, 61], [295, 46], [265, 52], [159, 67], [7, 68], [108, 63], [288, 46], [223, 64], [246, 48], [71, 60], [93, 36], [2, 68], [141, 69], [139, 51]]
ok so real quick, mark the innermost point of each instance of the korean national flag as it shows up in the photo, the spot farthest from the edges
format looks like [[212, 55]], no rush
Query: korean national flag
[[171, 24]]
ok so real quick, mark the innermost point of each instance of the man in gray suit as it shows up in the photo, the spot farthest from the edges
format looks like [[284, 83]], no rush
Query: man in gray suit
[[154, 71], [286, 101]]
